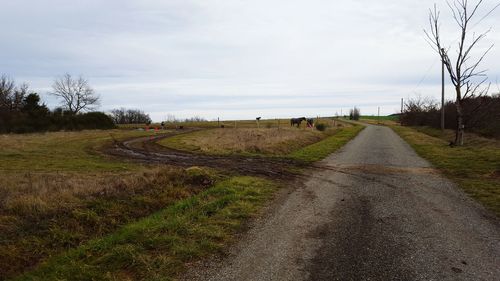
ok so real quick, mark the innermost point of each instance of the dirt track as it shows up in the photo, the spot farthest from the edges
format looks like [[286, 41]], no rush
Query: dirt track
[[372, 211], [146, 150]]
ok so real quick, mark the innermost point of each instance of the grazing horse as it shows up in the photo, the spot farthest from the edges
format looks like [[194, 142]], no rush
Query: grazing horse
[[310, 122], [297, 121]]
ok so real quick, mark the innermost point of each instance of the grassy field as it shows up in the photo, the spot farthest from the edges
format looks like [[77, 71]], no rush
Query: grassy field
[[475, 167], [69, 212], [376, 118], [57, 190], [389, 121], [244, 141], [61, 151], [251, 141], [264, 123]]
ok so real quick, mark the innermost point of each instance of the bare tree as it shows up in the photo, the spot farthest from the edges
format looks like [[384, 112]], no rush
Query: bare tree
[[76, 94], [465, 76], [7, 87], [18, 96]]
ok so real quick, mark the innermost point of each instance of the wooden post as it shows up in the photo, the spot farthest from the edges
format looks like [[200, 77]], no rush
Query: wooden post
[[442, 95]]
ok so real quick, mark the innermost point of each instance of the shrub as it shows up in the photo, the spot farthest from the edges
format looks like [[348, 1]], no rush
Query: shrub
[[321, 127], [354, 114]]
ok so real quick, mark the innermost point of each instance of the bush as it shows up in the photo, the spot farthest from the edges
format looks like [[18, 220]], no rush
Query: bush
[[94, 120], [321, 127], [354, 114]]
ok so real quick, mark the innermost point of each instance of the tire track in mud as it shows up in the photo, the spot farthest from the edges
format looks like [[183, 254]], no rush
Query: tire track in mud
[[146, 150]]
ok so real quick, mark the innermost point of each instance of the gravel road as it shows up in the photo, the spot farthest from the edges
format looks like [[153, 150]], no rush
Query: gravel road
[[372, 211]]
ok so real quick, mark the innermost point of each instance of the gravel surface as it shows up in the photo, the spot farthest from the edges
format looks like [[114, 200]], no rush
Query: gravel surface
[[372, 211]]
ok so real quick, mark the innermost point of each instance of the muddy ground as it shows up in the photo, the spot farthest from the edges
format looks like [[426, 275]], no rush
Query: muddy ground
[[146, 150]]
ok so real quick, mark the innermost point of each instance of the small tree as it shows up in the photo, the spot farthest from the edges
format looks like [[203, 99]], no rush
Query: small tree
[[76, 94], [7, 88], [12, 96], [463, 70], [354, 114]]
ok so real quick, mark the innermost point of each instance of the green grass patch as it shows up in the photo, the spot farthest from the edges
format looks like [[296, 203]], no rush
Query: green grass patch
[[62, 151], [475, 167], [158, 246], [321, 149], [386, 118]]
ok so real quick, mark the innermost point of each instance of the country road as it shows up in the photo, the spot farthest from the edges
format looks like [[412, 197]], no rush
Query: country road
[[372, 211]]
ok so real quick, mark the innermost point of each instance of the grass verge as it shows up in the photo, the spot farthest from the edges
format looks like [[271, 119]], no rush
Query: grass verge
[[158, 246], [321, 149], [475, 167]]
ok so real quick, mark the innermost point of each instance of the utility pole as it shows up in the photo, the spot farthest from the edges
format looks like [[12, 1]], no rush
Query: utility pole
[[401, 105], [378, 114], [442, 93]]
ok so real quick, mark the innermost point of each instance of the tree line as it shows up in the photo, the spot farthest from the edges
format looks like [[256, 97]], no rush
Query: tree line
[[22, 110], [130, 116], [481, 114]]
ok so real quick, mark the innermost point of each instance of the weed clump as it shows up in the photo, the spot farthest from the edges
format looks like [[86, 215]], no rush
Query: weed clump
[[199, 176], [321, 127]]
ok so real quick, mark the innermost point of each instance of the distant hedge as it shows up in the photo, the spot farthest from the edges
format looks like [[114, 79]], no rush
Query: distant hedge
[[481, 114], [31, 116]]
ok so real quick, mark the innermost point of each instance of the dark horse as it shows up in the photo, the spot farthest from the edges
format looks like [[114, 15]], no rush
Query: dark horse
[[297, 121]]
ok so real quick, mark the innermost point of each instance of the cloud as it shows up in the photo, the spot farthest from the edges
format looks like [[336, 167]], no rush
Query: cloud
[[231, 58]]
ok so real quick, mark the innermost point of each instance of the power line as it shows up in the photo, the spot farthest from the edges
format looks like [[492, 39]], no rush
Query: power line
[[485, 16], [425, 75]]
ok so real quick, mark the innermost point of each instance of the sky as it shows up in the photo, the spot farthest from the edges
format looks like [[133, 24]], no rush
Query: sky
[[233, 59]]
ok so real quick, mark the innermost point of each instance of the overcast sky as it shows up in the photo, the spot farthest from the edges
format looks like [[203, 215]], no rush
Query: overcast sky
[[234, 59]]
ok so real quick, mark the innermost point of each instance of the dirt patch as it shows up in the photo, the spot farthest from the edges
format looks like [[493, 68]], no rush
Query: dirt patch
[[146, 150]]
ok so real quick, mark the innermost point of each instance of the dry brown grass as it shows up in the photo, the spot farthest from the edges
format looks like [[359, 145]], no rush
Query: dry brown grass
[[42, 214], [268, 141]]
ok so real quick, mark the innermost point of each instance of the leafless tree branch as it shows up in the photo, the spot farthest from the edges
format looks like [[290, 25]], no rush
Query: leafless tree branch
[[464, 70], [76, 94]]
